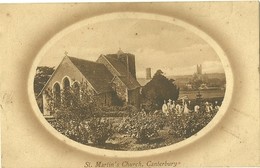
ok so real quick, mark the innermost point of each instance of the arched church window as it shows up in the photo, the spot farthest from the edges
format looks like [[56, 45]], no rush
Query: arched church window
[[76, 90], [57, 94], [66, 83], [67, 98]]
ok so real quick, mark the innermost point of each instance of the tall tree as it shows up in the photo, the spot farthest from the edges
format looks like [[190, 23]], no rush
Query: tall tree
[[43, 73], [157, 90]]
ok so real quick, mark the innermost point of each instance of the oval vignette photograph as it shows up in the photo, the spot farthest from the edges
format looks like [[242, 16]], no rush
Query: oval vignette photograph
[[129, 84]]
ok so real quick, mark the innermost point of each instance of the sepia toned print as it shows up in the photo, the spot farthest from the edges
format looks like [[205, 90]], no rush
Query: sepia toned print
[[129, 84], [38, 35]]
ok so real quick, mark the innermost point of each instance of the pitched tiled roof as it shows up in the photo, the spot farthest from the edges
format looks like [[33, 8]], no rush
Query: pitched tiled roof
[[119, 66], [125, 76], [96, 73], [130, 82]]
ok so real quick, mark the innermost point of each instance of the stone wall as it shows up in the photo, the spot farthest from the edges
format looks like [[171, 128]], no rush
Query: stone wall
[[104, 99], [134, 97], [120, 89]]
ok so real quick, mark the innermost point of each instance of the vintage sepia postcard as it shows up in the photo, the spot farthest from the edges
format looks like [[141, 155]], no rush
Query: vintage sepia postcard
[[130, 85]]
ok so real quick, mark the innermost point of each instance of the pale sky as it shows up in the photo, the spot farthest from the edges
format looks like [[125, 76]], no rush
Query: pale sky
[[155, 44]]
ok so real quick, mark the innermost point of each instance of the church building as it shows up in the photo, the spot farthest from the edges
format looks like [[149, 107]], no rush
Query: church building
[[111, 80]]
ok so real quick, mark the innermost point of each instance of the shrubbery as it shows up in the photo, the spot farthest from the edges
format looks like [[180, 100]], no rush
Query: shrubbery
[[116, 111], [139, 125], [99, 130], [76, 119], [142, 126], [80, 118], [93, 130], [186, 125], [85, 123]]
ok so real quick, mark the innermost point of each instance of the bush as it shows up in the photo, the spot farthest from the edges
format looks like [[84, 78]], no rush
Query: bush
[[99, 130], [186, 125], [75, 119], [116, 111], [126, 108], [142, 126], [73, 130], [94, 129]]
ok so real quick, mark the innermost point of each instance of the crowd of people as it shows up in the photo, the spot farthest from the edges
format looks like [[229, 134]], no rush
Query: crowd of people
[[185, 106]]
